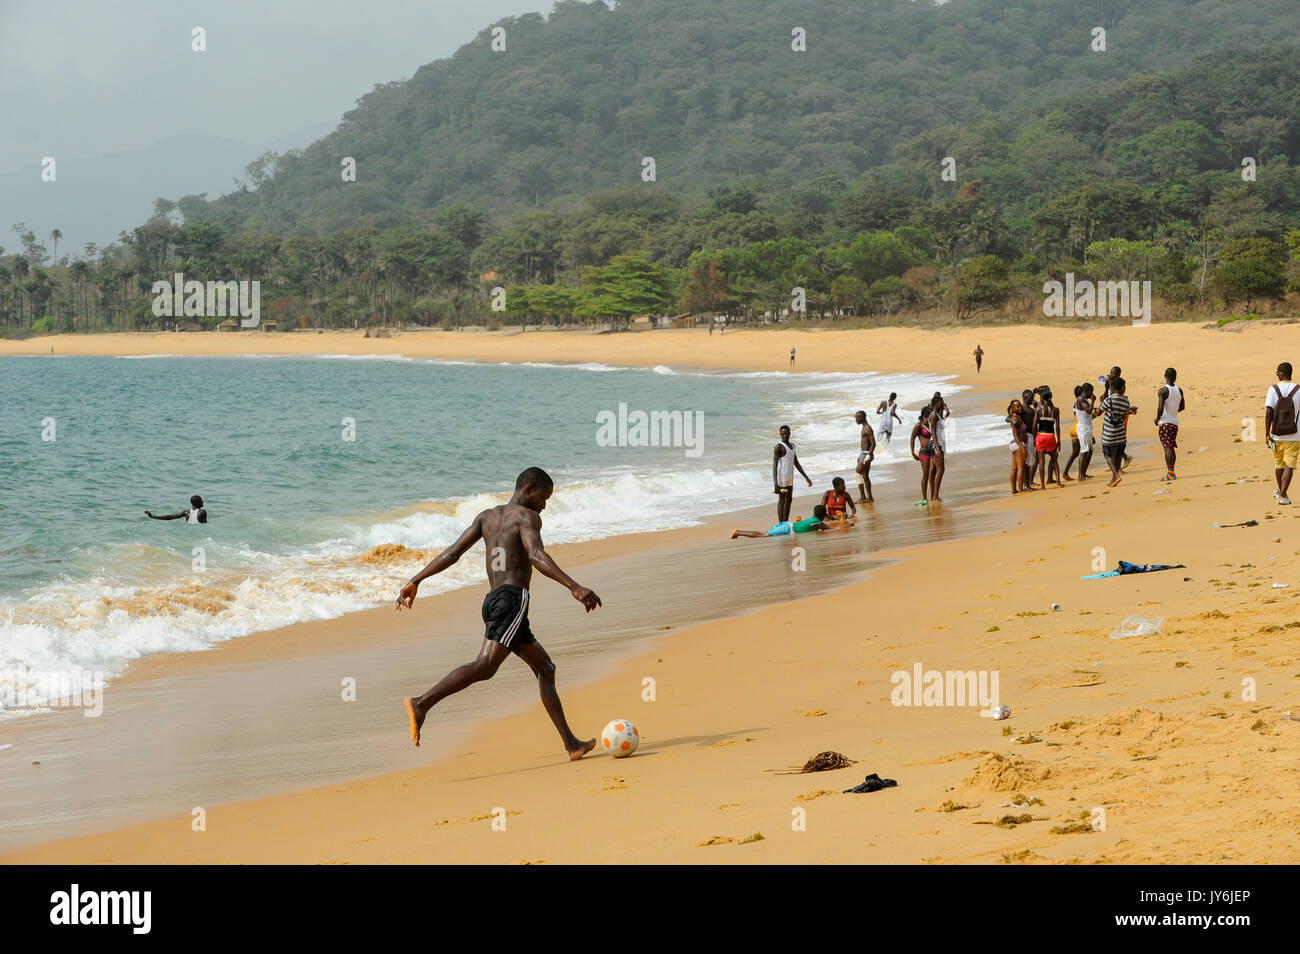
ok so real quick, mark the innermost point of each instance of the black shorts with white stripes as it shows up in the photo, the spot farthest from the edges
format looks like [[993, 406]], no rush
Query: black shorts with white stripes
[[505, 613]]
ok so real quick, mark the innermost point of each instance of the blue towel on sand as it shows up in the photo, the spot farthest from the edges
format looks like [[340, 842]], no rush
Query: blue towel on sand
[[1125, 568]]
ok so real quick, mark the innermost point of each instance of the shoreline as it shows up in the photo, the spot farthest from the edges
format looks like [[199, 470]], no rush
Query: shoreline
[[316, 647], [676, 823]]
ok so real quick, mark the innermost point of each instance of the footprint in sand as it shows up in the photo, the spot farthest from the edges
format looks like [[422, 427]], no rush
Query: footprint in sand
[[817, 793], [812, 713], [715, 840]]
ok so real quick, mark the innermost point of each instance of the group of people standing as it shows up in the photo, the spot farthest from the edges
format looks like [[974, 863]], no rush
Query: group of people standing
[[1035, 425]]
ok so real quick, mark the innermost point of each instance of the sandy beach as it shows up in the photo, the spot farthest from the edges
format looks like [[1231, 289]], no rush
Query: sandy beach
[[1176, 747]]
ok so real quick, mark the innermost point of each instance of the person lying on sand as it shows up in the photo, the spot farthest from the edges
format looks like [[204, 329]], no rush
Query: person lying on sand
[[817, 523], [511, 535], [196, 513]]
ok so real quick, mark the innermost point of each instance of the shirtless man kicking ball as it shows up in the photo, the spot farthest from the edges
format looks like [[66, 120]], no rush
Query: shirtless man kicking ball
[[511, 534]]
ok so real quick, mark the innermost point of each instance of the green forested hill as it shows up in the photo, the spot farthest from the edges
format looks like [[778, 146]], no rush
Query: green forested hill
[[713, 91], [822, 171]]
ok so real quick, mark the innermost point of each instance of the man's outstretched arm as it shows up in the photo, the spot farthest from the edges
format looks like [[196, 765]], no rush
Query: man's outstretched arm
[[442, 561], [169, 516], [539, 558]]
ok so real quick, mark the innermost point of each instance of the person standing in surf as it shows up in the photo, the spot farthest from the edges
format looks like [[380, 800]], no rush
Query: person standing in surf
[[196, 513], [784, 463], [889, 411], [921, 429], [866, 454], [511, 535]]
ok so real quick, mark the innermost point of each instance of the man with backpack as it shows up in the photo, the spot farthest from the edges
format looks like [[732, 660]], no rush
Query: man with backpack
[[1281, 430]]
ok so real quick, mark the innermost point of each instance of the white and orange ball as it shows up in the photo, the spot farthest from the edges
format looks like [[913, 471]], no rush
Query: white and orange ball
[[620, 738]]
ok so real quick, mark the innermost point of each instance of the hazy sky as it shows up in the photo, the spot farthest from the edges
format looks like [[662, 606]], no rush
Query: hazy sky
[[84, 77]]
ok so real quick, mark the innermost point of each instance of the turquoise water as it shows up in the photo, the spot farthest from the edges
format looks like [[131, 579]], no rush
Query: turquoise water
[[297, 511]]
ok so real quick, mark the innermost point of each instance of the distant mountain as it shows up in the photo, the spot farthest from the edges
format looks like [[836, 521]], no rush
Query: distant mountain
[[715, 92], [93, 199]]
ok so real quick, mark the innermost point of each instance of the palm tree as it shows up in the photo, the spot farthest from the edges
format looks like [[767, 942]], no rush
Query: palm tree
[[19, 269], [55, 236], [80, 271]]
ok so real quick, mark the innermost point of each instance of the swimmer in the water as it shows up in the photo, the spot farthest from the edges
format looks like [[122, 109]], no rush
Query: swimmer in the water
[[196, 513]]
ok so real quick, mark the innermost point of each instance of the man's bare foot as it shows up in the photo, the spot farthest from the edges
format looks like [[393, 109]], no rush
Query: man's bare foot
[[1067, 477], [582, 749], [734, 534], [416, 717], [1115, 482]]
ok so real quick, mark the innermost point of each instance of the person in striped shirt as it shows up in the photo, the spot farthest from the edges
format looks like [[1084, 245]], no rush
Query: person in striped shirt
[[1114, 411]]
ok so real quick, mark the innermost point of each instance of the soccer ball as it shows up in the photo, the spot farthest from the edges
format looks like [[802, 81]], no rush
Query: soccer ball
[[620, 738]]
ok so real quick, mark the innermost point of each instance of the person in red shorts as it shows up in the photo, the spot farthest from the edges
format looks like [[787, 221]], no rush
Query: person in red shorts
[[1047, 437], [1171, 402]]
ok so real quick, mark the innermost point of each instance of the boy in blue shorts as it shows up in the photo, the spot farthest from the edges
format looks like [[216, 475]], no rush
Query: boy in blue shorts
[[814, 524]]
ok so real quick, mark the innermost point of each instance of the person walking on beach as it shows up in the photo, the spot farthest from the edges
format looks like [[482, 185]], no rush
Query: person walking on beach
[[196, 513], [512, 539], [866, 454], [1281, 431], [979, 358], [1171, 402], [1114, 412], [889, 410], [792, 357], [1017, 446], [784, 463]]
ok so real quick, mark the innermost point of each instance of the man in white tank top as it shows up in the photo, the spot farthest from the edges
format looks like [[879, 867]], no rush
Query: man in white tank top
[[196, 513], [889, 411], [784, 463], [1172, 400]]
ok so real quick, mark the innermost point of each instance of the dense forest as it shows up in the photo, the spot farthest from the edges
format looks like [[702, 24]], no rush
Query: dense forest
[[914, 158]]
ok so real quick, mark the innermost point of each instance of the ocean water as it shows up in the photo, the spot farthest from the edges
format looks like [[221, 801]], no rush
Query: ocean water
[[308, 524]]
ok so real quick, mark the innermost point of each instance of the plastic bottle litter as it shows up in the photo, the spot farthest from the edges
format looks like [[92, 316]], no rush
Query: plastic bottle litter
[[1136, 625], [1056, 607], [1001, 712], [1279, 586]]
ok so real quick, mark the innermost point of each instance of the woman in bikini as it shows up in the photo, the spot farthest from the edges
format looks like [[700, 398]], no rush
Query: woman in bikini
[[1047, 437], [921, 429]]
